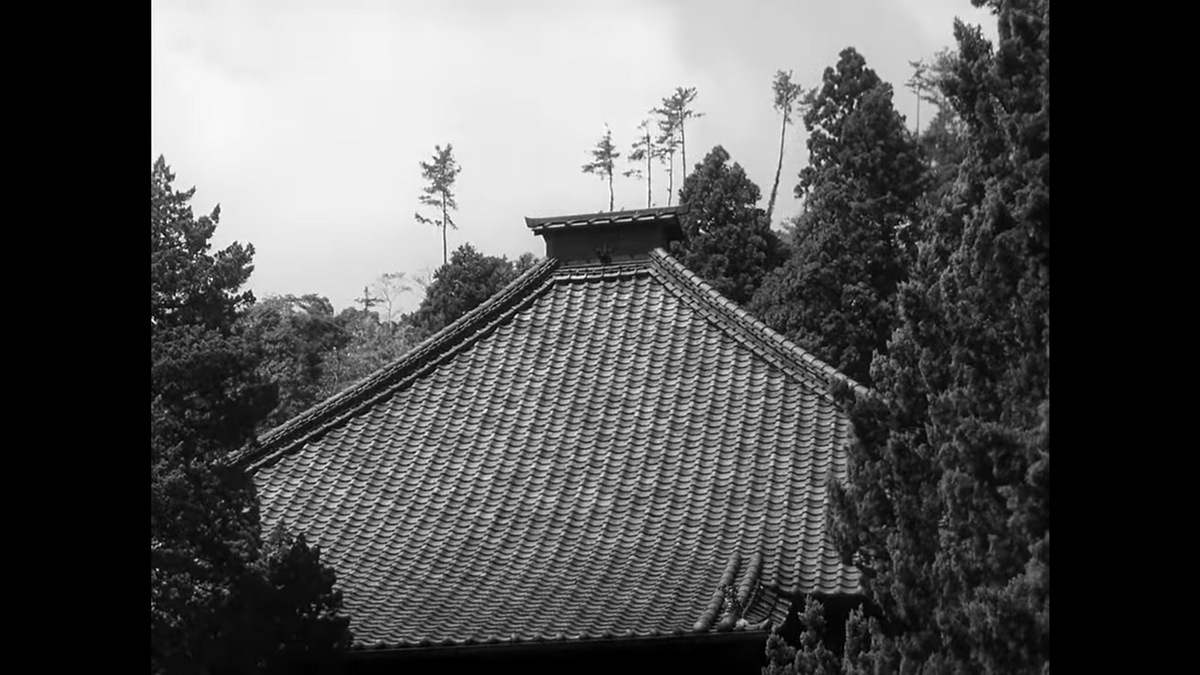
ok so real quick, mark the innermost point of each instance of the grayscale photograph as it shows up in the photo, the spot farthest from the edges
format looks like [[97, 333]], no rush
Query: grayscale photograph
[[636, 336]]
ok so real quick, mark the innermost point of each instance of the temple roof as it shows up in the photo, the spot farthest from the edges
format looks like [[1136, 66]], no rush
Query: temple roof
[[602, 449]]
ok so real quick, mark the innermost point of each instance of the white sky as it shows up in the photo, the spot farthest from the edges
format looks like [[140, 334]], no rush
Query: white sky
[[305, 120]]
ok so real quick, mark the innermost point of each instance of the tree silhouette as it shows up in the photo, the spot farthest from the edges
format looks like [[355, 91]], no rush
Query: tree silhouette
[[439, 193], [604, 157]]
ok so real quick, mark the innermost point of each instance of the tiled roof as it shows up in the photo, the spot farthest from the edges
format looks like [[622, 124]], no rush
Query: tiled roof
[[598, 451], [540, 225]]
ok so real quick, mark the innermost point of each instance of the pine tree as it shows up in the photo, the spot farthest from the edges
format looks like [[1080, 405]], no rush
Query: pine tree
[[668, 143], [604, 157], [219, 600], [729, 242], [835, 296], [644, 150], [787, 94], [439, 193], [673, 114]]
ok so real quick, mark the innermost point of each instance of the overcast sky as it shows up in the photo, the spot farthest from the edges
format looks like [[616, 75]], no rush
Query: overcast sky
[[306, 119]]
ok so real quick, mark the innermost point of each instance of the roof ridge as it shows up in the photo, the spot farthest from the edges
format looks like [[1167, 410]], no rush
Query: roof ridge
[[576, 271], [347, 402], [753, 330]]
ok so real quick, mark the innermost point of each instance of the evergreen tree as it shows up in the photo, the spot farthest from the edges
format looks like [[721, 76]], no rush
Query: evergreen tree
[[918, 85], [835, 296], [947, 508], [604, 157], [203, 383], [943, 141], [468, 281], [217, 593], [810, 656], [667, 142], [439, 193], [674, 113], [644, 150], [729, 241], [787, 94]]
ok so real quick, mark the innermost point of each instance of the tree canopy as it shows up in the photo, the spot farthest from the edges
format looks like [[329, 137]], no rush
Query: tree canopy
[[787, 95], [222, 599], [440, 174], [190, 285], [943, 139], [729, 241], [852, 243], [644, 150], [947, 510], [604, 157], [371, 342], [466, 282], [295, 338], [673, 115], [202, 380]]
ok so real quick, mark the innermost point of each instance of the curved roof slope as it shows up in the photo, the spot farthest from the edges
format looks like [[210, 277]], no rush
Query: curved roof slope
[[599, 450]]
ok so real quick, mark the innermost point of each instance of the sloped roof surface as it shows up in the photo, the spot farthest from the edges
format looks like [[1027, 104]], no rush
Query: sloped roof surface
[[599, 450]]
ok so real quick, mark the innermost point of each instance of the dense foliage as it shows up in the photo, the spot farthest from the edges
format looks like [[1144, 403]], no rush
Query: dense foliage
[[729, 240], [466, 282], [835, 296], [298, 345], [371, 342], [673, 115], [810, 656], [947, 508], [947, 511], [294, 337], [943, 140], [203, 384], [222, 600]]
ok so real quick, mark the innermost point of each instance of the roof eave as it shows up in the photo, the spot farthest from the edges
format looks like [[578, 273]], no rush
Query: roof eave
[[540, 225], [675, 640]]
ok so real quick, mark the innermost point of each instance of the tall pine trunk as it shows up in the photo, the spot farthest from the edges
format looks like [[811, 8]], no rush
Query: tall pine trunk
[[682, 149], [610, 191], [648, 191], [670, 178], [778, 170], [918, 113], [445, 224]]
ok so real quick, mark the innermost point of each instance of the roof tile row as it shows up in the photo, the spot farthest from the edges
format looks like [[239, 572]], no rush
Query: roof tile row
[[599, 450]]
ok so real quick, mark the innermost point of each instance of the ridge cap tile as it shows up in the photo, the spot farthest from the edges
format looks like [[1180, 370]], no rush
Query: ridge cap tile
[[735, 315]]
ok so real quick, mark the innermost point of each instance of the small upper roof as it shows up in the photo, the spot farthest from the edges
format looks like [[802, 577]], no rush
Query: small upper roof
[[664, 215], [603, 448]]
